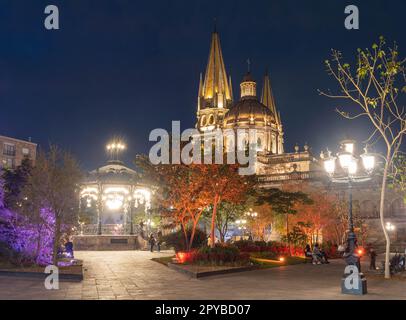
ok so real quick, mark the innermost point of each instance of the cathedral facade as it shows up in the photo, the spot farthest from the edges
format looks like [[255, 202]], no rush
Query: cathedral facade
[[217, 108]]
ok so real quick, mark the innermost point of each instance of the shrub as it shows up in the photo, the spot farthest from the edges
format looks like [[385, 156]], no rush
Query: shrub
[[177, 239], [219, 255], [275, 248]]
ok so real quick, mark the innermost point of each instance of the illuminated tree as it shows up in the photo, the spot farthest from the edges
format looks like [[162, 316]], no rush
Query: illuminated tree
[[227, 213], [373, 86], [224, 183], [284, 203], [52, 186], [315, 217], [182, 193]]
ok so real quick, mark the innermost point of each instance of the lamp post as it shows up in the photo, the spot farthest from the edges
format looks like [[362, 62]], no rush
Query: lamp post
[[241, 226], [349, 174], [251, 216]]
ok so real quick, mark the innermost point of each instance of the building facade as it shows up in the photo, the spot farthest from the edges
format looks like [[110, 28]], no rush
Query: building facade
[[13, 151], [216, 108]]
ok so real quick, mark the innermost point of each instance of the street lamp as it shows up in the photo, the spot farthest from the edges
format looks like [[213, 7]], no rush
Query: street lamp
[[390, 227], [350, 174], [241, 226]]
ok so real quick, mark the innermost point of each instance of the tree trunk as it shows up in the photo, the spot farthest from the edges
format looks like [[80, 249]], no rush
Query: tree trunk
[[381, 215], [213, 221], [192, 236], [287, 233], [185, 234], [37, 250], [56, 240]]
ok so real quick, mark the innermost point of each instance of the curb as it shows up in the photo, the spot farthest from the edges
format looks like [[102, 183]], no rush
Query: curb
[[197, 275]]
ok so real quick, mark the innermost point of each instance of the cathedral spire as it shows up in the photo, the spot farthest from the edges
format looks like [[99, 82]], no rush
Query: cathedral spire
[[230, 84], [200, 92], [216, 86], [267, 98]]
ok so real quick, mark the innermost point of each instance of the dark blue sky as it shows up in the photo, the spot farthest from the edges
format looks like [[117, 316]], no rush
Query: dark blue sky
[[126, 67]]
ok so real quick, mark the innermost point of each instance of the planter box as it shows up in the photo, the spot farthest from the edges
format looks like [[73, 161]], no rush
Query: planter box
[[196, 271], [70, 273]]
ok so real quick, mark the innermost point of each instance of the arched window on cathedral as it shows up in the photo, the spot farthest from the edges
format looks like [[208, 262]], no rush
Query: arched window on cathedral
[[398, 208], [211, 120], [259, 144], [203, 121]]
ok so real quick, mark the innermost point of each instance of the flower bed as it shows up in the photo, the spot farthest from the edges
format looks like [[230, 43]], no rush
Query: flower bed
[[274, 248], [219, 255]]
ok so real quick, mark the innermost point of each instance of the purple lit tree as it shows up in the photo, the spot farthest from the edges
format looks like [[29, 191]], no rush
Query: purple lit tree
[[28, 242], [47, 209], [52, 184]]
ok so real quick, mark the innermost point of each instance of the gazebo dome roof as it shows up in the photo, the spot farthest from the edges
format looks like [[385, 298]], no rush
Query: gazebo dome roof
[[113, 172]]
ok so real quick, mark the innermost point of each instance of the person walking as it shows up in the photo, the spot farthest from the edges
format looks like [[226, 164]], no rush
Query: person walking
[[159, 240], [152, 242], [372, 255]]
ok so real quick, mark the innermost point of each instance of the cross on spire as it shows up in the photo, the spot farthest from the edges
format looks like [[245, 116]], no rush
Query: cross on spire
[[249, 65]]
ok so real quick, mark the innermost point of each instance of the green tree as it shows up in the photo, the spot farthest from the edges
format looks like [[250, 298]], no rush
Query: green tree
[[53, 184], [283, 203], [227, 213]]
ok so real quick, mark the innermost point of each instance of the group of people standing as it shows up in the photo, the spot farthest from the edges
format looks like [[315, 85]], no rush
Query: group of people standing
[[155, 241]]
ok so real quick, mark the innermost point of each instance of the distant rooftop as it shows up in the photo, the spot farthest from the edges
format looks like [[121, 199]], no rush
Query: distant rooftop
[[17, 140]]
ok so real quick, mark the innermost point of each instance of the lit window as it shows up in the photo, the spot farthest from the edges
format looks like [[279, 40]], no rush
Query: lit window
[[8, 163], [9, 149]]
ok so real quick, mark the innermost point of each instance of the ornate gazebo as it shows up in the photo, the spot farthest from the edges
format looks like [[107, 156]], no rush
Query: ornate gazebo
[[112, 199]]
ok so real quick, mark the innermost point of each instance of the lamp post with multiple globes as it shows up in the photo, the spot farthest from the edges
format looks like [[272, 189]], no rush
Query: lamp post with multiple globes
[[350, 173]]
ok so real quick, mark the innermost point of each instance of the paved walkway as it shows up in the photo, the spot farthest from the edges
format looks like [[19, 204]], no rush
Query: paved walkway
[[132, 275]]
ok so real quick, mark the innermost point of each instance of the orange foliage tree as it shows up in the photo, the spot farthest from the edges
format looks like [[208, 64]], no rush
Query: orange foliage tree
[[224, 183], [185, 191], [317, 216], [181, 193]]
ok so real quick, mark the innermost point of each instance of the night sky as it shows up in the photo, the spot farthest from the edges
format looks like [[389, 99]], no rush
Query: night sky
[[126, 67]]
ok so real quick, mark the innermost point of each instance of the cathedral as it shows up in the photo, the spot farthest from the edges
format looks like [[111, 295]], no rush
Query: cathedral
[[218, 108]]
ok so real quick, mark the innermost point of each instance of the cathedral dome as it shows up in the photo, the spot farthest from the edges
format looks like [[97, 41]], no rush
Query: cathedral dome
[[249, 111]]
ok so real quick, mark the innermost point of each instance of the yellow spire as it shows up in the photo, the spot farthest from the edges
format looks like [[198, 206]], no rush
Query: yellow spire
[[267, 98], [230, 84], [199, 96], [215, 84]]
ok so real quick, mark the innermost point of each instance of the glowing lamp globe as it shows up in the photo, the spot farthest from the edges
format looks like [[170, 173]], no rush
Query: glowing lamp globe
[[352, 167], [348, 146], [345, 159], [368, 161], [330, 165]]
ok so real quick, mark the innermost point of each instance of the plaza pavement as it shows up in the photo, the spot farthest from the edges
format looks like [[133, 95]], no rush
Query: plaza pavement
[[132, 275]]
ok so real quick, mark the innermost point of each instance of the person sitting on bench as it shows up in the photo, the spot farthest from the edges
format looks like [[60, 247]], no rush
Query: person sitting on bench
[[308, 251], [317, 255]]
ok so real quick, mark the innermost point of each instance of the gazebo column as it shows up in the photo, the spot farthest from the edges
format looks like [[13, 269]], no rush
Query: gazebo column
[[99, 210], [99, 223], [131, 220]]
